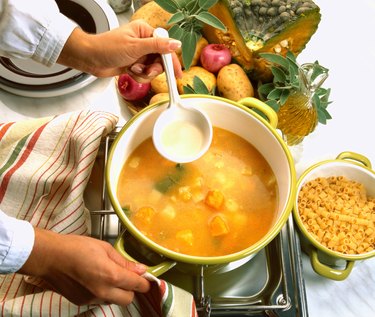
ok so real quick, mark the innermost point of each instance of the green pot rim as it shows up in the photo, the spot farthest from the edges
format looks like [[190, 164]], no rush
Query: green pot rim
[[200, 259]]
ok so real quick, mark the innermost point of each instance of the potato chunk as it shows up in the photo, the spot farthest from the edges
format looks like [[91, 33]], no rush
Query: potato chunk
[[186, 236]]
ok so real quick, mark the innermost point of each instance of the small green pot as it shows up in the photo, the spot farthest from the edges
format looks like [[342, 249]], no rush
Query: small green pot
[[236, 117], [326, 262]]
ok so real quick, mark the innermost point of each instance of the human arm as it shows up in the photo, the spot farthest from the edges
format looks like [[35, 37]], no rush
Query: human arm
[[130, 48], [83, 269], [37, 30]]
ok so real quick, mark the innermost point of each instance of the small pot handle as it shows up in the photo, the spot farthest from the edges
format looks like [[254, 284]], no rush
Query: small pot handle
[[271, 115], [327, 271], [155, 270], [356, 157]]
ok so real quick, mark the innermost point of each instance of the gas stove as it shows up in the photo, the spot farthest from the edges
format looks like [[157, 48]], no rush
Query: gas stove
[[267, 284]]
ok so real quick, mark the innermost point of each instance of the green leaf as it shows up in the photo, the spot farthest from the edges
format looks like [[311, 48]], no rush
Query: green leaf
[[192, 6], [175, 18], [284, 96], [276, 59], [291, 57], [188, 89], [210, 19], [176, 32], [273, 104], [189, 44], [264, 90], [323, 116], [206, 4], [274, 94], [199, 86], [126, 210], [170, 6], [278, 75]]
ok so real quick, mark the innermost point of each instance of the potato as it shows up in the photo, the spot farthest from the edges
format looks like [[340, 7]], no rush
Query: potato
[[233, 83], [153, 14], [198, 50], [208, 78], [159, 97], [159, 83]]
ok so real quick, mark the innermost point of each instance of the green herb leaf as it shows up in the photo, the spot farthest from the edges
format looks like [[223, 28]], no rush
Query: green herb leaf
[[284, 96], [175, 18], [265, 89], [126, 210], [274, 94], [176, 32], [170, 6], [206, 4], [279, 75], [210, 19], [275, 59], [187, 21], [273, 104], [188, 90], [199, 87], [286, 80], [190, 40]]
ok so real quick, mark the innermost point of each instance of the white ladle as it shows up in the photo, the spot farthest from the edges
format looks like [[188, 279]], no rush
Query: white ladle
[[181, 133]]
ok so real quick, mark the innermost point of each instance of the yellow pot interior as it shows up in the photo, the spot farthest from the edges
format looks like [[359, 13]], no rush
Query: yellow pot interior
[[228, 115]]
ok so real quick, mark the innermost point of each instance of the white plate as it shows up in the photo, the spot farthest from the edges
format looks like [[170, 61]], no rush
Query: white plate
[[27, 78]]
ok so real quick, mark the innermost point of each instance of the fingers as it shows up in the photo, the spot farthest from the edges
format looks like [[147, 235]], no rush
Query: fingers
[[144, 70], [137, 268]]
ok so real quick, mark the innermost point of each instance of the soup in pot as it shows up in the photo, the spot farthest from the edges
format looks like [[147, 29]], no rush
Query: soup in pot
[[219, 204]]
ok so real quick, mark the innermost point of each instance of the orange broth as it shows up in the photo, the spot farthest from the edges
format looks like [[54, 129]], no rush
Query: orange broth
[[219, 204]]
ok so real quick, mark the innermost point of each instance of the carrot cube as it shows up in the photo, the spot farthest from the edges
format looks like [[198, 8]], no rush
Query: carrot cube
[[214, 199], [218, 226]]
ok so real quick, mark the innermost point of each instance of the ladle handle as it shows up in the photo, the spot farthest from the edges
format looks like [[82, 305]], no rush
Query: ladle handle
[[174, 96]]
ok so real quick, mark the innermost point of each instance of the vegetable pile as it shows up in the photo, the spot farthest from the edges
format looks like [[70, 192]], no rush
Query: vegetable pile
[[233, 49]]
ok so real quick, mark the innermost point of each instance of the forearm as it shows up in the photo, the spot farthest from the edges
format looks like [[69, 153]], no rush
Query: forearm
[[78, 52], [43, 254]]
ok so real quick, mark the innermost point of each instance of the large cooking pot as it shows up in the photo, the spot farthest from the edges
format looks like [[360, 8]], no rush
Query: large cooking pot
[[236, 117]]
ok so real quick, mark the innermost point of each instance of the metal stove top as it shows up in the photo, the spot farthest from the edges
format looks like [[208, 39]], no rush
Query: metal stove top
[[268, 284]]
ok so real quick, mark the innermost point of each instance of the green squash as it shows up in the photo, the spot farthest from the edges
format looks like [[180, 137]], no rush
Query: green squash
[[259, 26]]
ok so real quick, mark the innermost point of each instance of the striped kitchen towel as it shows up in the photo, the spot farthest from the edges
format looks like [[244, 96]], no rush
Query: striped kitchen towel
[[45, 165]]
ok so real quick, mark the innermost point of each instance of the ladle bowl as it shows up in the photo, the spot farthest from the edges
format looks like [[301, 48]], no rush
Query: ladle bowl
[[181, 133]]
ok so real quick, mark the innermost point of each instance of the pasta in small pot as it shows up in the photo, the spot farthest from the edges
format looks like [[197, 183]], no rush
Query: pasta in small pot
[[335, 211]]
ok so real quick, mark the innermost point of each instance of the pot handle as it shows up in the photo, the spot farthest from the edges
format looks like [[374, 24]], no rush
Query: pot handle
[[356, 157], [155, 270], [327, 271], [259, 105]]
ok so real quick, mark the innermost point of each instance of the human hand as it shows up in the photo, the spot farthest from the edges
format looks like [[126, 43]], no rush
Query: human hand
[[130, 48], [83, 269]]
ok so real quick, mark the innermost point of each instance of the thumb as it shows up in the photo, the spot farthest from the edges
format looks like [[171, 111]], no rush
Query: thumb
[[154, 45]]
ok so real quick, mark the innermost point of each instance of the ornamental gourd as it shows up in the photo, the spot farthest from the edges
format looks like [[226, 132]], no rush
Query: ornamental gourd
[[263, 26]]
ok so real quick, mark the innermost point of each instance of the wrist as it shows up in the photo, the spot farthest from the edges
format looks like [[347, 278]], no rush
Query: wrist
[[78, 51], [42, 254]]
